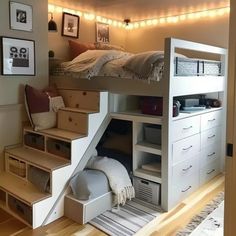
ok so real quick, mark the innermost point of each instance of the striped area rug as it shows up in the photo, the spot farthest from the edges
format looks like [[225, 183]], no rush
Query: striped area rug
[[127, 221]]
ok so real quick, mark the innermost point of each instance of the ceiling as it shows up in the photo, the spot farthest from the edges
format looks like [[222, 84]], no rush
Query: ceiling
[[143, 9]]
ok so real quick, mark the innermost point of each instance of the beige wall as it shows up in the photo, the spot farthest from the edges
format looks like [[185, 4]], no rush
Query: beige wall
[[211, 31], [59, 43], [11, 87]]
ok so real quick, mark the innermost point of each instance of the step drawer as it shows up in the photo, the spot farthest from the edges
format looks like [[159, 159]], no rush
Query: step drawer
[[211, 119], [73, 121], [185, 169], [188, 185], [210, 153], [186, 148], [210, 136], [186, 127], [209, 171]]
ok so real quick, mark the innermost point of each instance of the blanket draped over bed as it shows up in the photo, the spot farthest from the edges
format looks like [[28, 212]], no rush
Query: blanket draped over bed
[[117, 175]]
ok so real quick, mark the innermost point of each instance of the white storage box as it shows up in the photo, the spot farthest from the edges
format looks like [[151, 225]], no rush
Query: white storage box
[[84, 211], [152, 134], [147, 191]]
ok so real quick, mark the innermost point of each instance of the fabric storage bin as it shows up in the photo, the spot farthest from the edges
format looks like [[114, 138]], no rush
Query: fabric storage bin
[[210, 67], [152, 134], [20, 208], [84, 211], [186, 67], [17, 167], [34, 141], [59, 148], [147, 191], [152, 105]]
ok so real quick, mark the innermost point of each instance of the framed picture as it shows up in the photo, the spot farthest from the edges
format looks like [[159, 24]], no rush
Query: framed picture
[[20, 16], [70, 25], [18, 56], [102, 32]]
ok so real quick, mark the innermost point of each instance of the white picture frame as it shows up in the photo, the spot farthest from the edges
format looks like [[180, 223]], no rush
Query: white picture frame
[[21, 16], [18, 56]]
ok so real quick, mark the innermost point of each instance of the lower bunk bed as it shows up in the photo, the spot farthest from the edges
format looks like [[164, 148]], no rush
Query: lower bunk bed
[[184, 152]]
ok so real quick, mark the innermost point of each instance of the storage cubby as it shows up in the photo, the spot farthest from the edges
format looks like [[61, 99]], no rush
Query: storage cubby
[[58, 147], [34, 140], [16, 167], [21, 209], [3, 198]]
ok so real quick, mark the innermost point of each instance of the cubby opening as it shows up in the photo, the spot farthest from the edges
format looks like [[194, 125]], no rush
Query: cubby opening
[[59, 148], [116, 142], [39, 178], [3, 198], [34, 140], [21, 209], [17, 167]]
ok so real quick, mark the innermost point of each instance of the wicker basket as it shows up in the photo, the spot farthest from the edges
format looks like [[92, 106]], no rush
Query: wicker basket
[[17, 167]]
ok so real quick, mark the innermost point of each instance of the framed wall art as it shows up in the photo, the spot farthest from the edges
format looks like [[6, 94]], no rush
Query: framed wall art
[[18, 56], [70, 25], [21, 16], [102, 32]]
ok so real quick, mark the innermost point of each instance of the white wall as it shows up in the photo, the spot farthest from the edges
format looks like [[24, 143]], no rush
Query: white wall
[[12, 87]]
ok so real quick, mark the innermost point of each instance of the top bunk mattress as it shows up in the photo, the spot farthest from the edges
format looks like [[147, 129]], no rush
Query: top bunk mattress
[[142, 66]]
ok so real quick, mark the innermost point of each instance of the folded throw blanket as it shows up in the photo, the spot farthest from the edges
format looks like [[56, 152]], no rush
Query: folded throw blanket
[[117, 175]]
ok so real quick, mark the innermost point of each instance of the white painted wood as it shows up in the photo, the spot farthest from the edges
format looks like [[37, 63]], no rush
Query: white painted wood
[[148, 147], [211, 120], [211, 136]]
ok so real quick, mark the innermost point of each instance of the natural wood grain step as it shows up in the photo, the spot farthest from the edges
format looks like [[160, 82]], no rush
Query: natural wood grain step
[[39, 159], [21, 189], [86, 111]]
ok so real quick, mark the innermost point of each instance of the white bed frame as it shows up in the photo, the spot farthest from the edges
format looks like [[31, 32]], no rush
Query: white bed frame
[[123, 93]]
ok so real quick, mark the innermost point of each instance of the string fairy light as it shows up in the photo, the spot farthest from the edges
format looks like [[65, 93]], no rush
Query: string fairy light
[[170, 19]]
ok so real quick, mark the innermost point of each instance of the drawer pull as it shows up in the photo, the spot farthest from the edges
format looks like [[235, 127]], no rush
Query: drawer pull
[[211, 171], [211, 120], [185, 190], [212, 136], [211, 154], [185, 128], [186, 169], [185, 149]]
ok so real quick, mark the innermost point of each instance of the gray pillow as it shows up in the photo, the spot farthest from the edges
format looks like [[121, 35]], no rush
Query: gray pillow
[[89, 184]]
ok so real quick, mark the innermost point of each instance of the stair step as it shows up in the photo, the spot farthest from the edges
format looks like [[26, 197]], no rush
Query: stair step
[[86, 111], [62, 134], [39, 159], [21, 189]]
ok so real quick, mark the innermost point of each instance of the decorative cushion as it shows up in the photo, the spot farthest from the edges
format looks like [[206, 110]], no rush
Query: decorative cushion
[[76, 48], [106, 46], [40, 108], [89, 184]]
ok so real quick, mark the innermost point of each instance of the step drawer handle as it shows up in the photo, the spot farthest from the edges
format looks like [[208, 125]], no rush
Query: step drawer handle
[[211, 154], [185, 149], [186, 169], [212, 136], [211, 120], [211, 171], [185, 190], [185, 128]]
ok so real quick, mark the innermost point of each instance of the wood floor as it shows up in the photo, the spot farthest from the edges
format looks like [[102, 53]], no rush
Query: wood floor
[[168, 224]]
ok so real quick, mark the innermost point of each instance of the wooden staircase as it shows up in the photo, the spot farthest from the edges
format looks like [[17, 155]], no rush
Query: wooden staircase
[[36, 175]]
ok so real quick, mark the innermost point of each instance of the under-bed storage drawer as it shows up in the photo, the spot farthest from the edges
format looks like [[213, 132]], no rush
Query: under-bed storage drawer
[[84, 211], [186, 127]]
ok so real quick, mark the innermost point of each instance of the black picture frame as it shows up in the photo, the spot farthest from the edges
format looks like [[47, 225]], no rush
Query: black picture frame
[[102, 33], [70, 25], [17, 56]]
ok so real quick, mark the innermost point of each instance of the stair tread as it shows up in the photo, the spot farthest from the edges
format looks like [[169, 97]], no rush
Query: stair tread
[[38, 158], [21, 189], [62, 134], [72, 109]]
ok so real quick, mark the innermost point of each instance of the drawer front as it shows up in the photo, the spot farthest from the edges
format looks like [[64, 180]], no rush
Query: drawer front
[[188, 185], [210, 136], [209, 171], [210, 153], [186, 148], [210, 120], [185, 127], [185, 169]]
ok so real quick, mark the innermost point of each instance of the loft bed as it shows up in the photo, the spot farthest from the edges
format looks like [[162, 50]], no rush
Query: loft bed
[[176, 76]]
